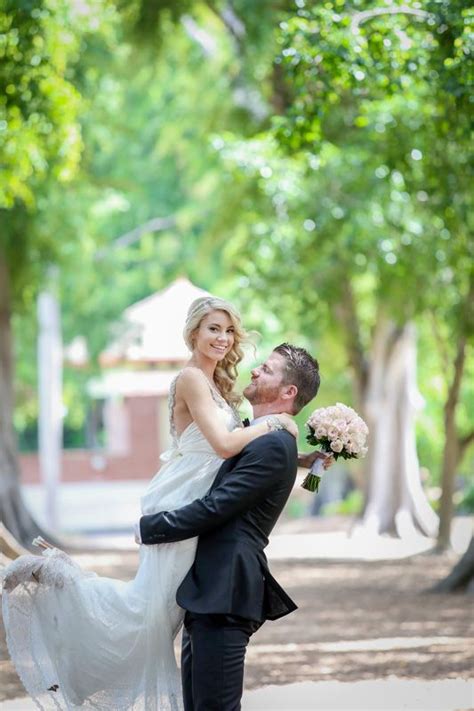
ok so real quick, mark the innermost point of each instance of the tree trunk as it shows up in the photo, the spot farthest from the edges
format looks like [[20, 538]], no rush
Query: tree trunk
[[452, 450], [9, 546], [13, 512], [395, 502], [346, 312], [462, 575]]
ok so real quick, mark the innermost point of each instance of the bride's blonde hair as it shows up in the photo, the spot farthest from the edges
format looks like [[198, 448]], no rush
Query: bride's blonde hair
[[225, 374]]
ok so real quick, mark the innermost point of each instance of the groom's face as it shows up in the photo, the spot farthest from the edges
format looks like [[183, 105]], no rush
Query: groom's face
[[267, 381]]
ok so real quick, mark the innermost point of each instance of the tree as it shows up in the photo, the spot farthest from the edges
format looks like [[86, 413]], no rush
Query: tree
[[147, 161], [461, 577], [456, 441], [360, 170], [41, 143], [82, 142]]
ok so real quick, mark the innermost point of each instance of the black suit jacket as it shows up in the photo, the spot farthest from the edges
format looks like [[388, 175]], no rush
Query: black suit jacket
[[233, 521]]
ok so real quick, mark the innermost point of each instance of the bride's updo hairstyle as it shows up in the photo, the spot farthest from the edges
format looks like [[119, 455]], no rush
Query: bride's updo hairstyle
[[225, 374]]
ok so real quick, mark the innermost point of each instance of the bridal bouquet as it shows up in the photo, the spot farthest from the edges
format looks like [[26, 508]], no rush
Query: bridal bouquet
[[339, 431]]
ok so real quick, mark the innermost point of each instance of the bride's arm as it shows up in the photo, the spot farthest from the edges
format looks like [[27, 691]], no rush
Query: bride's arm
[[195, 392], [265, 466]]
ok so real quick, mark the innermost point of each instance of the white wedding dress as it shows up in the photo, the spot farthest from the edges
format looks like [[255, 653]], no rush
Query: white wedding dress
[[79, 641]]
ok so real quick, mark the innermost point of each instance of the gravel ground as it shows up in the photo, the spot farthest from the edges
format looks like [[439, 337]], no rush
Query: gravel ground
[[357, 621]]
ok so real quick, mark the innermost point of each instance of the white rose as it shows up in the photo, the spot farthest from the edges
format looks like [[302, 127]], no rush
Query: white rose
[[342, 426]]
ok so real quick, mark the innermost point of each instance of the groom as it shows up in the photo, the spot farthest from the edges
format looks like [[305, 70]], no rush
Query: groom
[[229, 592]]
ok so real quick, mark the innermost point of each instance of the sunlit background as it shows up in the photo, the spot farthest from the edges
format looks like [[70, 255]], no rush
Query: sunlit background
[[307, 161], [311, 162]]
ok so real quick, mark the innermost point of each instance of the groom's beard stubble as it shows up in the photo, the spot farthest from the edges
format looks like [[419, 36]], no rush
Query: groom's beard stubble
[[258, 395]]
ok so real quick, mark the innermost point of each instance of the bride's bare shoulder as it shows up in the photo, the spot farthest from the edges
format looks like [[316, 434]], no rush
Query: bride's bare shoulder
[[191, 377]]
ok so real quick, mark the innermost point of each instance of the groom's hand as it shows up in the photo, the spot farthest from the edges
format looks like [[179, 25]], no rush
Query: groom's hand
[[307, 460]]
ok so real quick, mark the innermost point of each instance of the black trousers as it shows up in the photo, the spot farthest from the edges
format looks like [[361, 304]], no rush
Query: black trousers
[[212, 661]]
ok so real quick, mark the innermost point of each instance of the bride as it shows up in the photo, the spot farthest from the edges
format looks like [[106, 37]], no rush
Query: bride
[[82, 641]]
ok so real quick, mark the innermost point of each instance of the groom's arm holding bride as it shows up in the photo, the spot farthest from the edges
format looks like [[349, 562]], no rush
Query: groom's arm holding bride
[[262, 466], [242, 487]]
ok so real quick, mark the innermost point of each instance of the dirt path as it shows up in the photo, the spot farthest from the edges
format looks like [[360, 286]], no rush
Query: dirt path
[[356, 621], [364, 621]]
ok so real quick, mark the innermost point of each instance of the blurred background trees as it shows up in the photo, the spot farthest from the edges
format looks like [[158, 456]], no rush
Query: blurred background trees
[[41, 150], [309, 161]]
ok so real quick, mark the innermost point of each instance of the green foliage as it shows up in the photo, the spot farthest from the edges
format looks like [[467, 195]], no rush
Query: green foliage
[[248, 23], [353, 174], [39, 104], [147, 131], [353, 54], [391, 91], [352, 505], [362, 186], [40, 133], [465, 503], [368, 193]]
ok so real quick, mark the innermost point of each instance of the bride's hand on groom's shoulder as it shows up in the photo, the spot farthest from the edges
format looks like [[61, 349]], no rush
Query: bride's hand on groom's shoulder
[[289, 424]]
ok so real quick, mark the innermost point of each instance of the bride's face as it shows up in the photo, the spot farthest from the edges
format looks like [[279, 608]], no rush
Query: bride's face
[[214, 336]]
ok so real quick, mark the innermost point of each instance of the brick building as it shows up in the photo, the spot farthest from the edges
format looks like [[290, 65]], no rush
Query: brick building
[[131, 396]]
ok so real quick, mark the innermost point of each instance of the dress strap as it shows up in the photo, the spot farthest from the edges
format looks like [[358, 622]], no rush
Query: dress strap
[[221, 402], [171, 404], [218, 398]]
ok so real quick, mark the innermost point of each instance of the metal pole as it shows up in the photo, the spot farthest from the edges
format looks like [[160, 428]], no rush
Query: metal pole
[[50, 399]]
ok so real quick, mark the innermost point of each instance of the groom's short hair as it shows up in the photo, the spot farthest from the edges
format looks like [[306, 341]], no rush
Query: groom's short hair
[[301, 370]]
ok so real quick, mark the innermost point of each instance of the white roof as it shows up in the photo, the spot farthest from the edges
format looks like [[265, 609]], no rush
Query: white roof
[[153, 330], [127, 383], [76, 352]]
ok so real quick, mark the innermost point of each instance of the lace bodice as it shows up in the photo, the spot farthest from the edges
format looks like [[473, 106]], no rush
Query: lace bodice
[[187, 464], [222, 404]]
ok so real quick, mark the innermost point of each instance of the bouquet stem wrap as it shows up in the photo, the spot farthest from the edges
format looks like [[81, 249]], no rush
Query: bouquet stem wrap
[[313, 478]]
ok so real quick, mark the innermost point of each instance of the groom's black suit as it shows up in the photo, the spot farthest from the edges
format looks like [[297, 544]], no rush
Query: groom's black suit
[[229, 590]]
